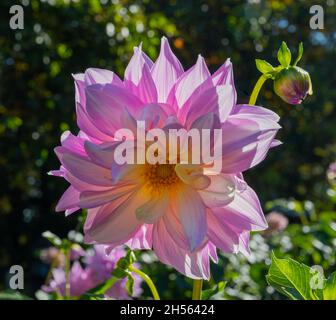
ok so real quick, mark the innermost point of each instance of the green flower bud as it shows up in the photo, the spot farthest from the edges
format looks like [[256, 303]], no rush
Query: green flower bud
[[292, 85]]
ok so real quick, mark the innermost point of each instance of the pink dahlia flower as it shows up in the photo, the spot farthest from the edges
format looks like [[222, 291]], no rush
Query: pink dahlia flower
[[180, 211], [97, 268]]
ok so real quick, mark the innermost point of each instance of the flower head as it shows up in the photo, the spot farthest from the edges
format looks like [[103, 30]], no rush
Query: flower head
[[182, 211], [98, 266], [277, 222], [293, 84]]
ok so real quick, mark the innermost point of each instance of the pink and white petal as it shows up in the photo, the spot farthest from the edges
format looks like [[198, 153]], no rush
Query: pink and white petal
[[138, 78], [71, 211], [105, 105], [212, 252], [117, 221], [194, 265], [220, 234], [246, 206], [79, 88], [83, 169], [85, 123], [155, 115], [73, 143], [175, 229], [69, 200], [245, 142], [102, 76], [190, 81], [255, 111], [224, 76], [221, 191], [166, 70], [191, 211], [101, 154], [92, 199], [218, 100], [143, 239]]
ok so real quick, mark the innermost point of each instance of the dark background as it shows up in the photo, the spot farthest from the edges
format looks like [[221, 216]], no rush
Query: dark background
[[64, 37]]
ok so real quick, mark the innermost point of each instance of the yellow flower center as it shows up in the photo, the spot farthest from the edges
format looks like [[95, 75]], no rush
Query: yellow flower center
[[160, 176]]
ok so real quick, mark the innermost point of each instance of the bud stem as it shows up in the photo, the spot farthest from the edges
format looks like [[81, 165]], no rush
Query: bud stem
[[148, 280], [256, 89]]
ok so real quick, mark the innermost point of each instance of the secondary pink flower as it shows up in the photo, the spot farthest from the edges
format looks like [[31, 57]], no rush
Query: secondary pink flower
[[97, 268], [176, 210], [277, 222]]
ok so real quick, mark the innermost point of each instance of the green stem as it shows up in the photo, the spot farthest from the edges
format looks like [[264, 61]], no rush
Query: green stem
[[256, 89], [197, 289], [67, 274], [148, 280]]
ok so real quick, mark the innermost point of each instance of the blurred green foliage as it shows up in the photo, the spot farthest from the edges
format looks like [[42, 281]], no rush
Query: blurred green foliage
[[61, 37]]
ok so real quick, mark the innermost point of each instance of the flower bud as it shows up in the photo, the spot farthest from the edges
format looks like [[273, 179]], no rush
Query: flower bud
[[292, 85]]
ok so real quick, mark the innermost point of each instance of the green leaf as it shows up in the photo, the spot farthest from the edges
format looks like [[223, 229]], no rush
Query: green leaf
[[291, 278], [130, 285], [99, 291], [219, 287], [300, 53], [263, 66], [329, 291], [284, 55], [9, 295], [120, 273], [55, 240]]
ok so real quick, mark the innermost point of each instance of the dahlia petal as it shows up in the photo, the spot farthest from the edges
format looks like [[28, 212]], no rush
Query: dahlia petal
[[245, 142], [191, 211], [212, 252], [190, 81], [153, 209], [73, 143], [220, 192], [86, 170], [246, 206], [69, 200], [255, 111], [193, 264], [91, 199], [275, 143], [79, 88], [102, 154], [142, 240], [220, 234], [166, 70], [224, 75], [117, 222], [105, 104], [138, 78], [155, 115], [218, 100], [192, 175], [87, 126], [102, 76], [175, 229]]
